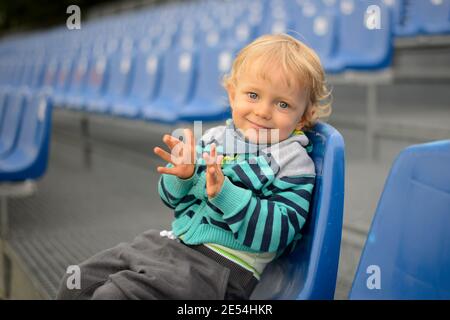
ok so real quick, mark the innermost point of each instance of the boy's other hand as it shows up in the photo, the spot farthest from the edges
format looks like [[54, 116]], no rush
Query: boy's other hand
[[214, 174], [182, 155]]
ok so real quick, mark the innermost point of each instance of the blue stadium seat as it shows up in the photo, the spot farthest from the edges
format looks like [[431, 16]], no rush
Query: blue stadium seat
[[210, 101], [318, 30], [3, 100], [416, 17], [64, 75], [406, 253], [117, 85], [144, 82], [361, 44], [435, 16], [97, 81], [77, 83], [28, 160], [11, 123], [310, 270], [405, 21], [49, 77], [37, 74], [177, 86], [276, 25]]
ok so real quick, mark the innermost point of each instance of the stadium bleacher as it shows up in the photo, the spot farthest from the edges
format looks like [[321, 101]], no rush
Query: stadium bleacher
[[143, 66], [99, 68]]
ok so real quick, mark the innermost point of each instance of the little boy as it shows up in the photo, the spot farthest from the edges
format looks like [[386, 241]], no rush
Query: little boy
[[242, 203]]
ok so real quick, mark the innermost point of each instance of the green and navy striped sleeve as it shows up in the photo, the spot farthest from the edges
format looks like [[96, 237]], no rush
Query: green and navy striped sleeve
[[266, 223], [173, 189]]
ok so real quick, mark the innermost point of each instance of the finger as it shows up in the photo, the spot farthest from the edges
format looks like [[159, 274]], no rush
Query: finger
[[219, 161], [190, 139], [163, 154], [170, 141], [189, 153], [213, 151], [167, 170], [207, 159], [212, 175]]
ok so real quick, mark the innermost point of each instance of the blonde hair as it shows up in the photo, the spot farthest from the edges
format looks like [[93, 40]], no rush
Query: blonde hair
[[298, 62]]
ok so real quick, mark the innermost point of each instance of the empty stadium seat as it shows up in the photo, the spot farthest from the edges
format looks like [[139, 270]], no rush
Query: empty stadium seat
[[435, 16], [117, 84], [318, 29], [28, 158], [10, 125], [77, 83], [63, 77], [406, 253], [144, 82], [310, 270], [97, 81], [365, 42], [416, 17], [49, 77], [210, 101], [177, 86]]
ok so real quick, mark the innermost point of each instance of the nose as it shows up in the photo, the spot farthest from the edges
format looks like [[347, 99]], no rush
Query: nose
[[263, 110]]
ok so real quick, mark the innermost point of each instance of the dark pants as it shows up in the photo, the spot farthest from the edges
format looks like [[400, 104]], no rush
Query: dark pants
[[153, 267]]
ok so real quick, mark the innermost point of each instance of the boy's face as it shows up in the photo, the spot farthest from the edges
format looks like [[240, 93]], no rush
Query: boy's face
[[266, 110]]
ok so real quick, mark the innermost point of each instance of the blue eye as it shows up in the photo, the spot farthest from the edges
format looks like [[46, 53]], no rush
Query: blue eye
[[283, 105], [252, 95]]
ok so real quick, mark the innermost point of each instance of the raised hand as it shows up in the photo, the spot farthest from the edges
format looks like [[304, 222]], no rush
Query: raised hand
[[182, 155], [214, 174]]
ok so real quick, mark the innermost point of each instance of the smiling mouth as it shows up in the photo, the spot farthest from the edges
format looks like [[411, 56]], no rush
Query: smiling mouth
[[257, 125]]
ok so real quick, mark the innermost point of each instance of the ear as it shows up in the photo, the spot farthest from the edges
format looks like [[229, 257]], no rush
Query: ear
[[231, 90], [308, 114], [301, 124]]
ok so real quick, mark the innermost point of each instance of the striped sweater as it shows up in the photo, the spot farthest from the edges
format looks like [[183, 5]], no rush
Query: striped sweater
[[264, 199]]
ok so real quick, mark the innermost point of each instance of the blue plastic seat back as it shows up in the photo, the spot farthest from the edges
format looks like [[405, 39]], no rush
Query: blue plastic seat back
[[242, 34], [318, 31], [79, 75], [434, 15], [276, 26], [213, 64], [310, 270], [17, 74], [96, 75], [34, 126], [178, 75], [37, 74], [406, 255], [51, 68], [365, 34], [146, 76], [3, 101], [405, 18], [64, 74], [11, 123], [119, 74]]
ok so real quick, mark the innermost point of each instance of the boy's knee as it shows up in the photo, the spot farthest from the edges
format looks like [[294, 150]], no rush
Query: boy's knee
[[108, 291], [65, 292]]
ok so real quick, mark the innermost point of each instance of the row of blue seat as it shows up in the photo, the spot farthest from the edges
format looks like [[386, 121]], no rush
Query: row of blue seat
[[173, 73], [325, 30], [25, 126], [181, 85]]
